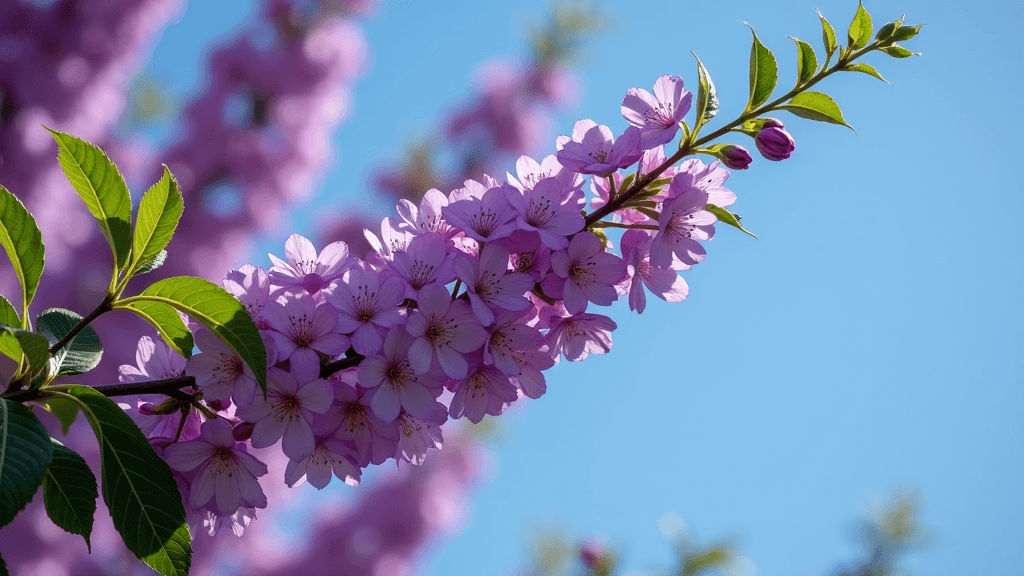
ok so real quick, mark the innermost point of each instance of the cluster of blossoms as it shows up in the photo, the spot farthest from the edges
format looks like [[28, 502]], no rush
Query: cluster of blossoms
[[468, 298]]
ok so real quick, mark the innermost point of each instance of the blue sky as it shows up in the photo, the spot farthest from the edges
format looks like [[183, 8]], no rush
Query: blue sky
[[869, 341]]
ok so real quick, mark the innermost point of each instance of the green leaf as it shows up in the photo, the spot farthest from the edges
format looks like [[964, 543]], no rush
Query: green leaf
[[25, 452], [35, 347], [707, 96], [8, 315], [69, 492], [65, 410], [23, 242], [726, 217], [9, 345], [828, 36], [867, 69], [159, 212], [138, 489], [764, 73], [886, 32], [103, 190], [860, 29], [806, 61], [906, 33], [81, 354], [151, 264], [897, 51], [167, 322], [816, 106], [215, 308]]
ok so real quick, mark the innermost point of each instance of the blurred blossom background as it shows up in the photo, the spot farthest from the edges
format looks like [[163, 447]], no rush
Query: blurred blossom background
[[866, 345]]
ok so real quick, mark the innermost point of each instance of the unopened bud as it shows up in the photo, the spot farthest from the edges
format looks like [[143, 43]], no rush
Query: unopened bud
[[773, 142], [169, 406], [735, 157], [242, 431]]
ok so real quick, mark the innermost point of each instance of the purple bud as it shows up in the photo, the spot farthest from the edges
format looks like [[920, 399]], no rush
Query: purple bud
[[242, 431], [735, 157], [773, 142]]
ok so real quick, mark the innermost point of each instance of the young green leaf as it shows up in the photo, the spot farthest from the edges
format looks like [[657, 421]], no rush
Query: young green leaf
[[23, 242], [906, 33], [25, 452], [8, 315], [9, 345], [897, 51], [726, 217], [69, 492], [103, 190], [816, 106], [885, 32], [81, 354], [860, 29], [65, 410], [828, 36], [867, 69], [764, 73], [215, 308], [159, 212], [35, 347], [707, 96], [138, 489], [165, 319], [151, 264], [806, 61]]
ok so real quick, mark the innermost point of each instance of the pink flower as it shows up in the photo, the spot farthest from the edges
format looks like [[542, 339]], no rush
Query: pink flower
[[662, 282], [490, 284], [398, 387], [510, 334], [593, 149], [444, 329], [329, 455], [429, 217], [483, 218], [682, 223], [366, 306], [225, 477], [485, 391], [425, 261], [528, 377], [307, 269], [576, 337], [301, 328], [251, 285], [351, 420], [540, 208], [657, 116], [527, 254], [530, 172], [287, 412], [693, 173], [418, 436], [591, 272], [392, 239], [220, 372]]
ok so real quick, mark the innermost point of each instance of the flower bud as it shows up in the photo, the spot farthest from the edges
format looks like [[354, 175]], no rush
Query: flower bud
[[735, 157], [242, 431], [774, 142]]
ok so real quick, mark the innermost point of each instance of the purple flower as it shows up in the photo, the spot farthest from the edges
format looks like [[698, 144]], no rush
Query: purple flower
[[444, 329], [485, 391], [351, 420], [530, 172], [663, 283], [529, 378], [682, 222], [418, 436], [392, 241], [156, 361], [366, 306], [709, 178], [398, 387], [307, 269], [593, 149], [225, 477], [287, 412], [484, 218], [220, 372], [490, 284], [251, 285], [576, 337], [301, 328], [657, 116], [510, 334], [773, 141], [527, 254], [425, 261], [540, 209], [330, 455], [591, 273], [429, 217]]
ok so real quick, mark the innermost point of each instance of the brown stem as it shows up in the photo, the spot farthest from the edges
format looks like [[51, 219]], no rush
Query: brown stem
[[169, 386], [105, 306]]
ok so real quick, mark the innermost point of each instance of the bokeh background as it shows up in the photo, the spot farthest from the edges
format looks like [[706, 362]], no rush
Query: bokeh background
[[868, 343]]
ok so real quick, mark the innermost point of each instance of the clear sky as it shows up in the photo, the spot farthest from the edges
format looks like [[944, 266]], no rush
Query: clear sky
[[869, 341]]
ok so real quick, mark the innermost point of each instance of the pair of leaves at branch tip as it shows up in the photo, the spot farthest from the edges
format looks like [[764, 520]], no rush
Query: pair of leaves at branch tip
[[860, 30], [210, 305], [707, 96], [23, 242], [25, 452], [102, 188], [138, 488], [81, 354], [69, 492], [764, 73], [828, 36], [816, 106], [726, 217]]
